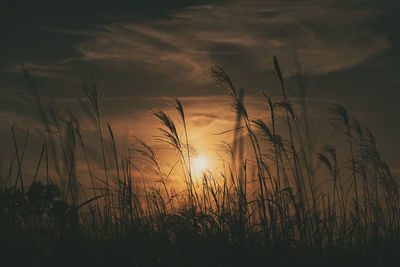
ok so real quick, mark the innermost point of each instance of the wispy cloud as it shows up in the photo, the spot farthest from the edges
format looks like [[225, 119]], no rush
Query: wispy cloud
[[326, 38], [41, 70]]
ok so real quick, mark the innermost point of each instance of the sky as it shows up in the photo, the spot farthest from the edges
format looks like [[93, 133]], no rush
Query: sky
[[147, 51]]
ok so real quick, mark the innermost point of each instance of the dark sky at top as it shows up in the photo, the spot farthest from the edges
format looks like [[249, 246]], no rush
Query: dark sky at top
[[149, 49]]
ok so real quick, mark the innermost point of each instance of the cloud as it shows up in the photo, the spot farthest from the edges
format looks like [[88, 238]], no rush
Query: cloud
[[41, 70], [245, 33]]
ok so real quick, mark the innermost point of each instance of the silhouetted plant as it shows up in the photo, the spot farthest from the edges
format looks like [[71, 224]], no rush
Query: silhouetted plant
[[284, 212]]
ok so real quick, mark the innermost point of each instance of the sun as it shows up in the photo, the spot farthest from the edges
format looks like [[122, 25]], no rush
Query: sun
[[199, 165]]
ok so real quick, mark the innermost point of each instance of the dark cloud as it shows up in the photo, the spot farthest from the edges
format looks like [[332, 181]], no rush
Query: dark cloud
[[326, 38]]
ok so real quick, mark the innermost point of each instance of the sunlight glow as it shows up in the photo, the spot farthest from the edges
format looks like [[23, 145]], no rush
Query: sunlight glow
[[199, 165]]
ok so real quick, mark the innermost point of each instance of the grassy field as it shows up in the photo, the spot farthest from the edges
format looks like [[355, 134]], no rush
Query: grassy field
[[300, 207]]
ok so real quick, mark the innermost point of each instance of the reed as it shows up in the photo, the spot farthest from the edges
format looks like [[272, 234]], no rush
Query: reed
[[285, 212]]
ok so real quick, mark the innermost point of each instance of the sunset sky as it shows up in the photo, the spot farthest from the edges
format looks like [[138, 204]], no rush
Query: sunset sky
[[147, 51]]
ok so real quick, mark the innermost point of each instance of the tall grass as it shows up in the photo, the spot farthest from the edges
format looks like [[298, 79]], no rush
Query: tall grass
[[286, 212]]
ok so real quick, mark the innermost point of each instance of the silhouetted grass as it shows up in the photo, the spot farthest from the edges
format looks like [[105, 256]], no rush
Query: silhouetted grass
[[287, 217]]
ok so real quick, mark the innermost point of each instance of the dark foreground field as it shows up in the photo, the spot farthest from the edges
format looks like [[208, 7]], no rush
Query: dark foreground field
[[302, 206]]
